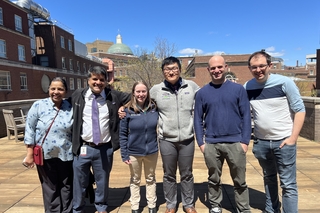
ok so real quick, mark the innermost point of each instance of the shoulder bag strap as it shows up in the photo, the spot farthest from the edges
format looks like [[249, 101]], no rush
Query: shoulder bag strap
[[49, 127]]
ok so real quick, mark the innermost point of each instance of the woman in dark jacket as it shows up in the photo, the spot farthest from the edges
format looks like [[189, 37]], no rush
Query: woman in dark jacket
[[138, 143]]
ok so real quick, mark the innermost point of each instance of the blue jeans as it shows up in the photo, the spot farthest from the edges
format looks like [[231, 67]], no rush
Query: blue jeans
[[274, 160]]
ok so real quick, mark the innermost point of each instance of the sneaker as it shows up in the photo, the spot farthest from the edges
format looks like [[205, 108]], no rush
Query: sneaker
[[215, 210]]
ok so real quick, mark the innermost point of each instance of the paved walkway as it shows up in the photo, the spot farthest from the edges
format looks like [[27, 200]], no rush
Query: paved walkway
[[20, 189]]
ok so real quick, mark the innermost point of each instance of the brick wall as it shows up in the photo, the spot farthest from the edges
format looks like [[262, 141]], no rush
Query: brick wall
[[311, 126]]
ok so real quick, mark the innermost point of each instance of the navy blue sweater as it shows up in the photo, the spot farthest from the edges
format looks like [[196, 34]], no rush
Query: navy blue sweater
[[138, 135], [222, 114]]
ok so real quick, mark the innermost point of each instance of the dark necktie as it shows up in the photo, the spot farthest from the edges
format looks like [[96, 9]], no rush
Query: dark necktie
[[95, 120]]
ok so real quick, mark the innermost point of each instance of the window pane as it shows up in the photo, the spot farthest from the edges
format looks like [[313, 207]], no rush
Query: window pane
[[5, 81], [22, 55], [70, 45], [70, 64], [1, 16], [78, 83], [63, 62], [3, 49], [18, 23], [62, 41], [23, 81], [71, 84]]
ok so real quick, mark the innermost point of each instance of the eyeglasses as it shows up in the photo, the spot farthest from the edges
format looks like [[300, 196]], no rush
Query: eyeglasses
[[169, 69], [261, 67]]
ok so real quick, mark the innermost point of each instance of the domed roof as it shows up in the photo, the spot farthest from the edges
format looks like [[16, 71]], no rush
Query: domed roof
[[119, 48]]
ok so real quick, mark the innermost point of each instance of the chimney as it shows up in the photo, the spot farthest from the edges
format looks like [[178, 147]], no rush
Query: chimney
[[297, 63]]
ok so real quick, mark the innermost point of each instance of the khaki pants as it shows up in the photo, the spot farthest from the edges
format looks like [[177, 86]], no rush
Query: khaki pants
[[150, 163]]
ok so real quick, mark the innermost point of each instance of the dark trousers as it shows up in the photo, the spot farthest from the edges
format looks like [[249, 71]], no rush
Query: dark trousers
[[56, 181], [174, 155], [100, 158]]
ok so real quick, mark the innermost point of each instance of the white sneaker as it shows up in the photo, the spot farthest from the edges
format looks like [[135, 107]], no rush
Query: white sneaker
[[216, 210]]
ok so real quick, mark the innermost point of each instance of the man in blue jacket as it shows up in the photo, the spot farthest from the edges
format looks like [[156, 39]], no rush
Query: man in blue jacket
[[222, 124]]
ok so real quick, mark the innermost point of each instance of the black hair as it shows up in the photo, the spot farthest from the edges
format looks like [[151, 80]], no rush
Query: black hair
[[97, 70], [170, 60], [261, 52], [63, 81]]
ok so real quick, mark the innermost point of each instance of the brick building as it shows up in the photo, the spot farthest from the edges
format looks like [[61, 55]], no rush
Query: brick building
[[34, 49], [195, 68]]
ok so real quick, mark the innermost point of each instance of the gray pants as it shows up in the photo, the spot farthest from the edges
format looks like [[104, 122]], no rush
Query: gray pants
[[214, 155], [176, 154]]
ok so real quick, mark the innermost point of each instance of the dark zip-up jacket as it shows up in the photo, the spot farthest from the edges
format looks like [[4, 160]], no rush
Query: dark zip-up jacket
[[114, 100], [138, 133]]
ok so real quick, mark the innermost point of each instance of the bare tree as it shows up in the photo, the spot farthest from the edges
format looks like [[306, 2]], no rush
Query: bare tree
[[163, 48], [146, 65]]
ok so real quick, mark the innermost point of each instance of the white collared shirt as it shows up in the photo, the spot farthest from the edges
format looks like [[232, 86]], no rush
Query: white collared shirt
[[103, 118]]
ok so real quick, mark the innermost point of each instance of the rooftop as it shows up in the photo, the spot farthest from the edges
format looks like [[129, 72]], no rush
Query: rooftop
[[20, 190]]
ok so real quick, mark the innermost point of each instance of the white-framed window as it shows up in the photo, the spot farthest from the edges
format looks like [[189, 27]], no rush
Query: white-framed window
[[85, 83], [71, 64], [84, 67], [18, 23], [63, 63], [71, 80], [78, 83], [5, 80], [3, 49], [78, 66], [70, 45], [23, 81], [115, 73], [1, 16], [21, 53], [62, 42]]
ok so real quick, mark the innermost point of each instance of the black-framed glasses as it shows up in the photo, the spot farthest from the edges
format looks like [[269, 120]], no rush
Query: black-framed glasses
[[169, 69], [261, 67]]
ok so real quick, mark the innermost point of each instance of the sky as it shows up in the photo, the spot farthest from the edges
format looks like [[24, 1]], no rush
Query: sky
[[284, 28]]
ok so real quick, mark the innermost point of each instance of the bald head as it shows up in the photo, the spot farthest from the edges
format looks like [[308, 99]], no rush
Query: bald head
[[216, 58], [216, 68]]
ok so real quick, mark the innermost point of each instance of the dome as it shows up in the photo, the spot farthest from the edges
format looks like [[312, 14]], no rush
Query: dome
[[119, 48]]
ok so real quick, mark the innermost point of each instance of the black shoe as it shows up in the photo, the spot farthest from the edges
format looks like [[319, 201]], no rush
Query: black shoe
[[153, 210], [134, 211]]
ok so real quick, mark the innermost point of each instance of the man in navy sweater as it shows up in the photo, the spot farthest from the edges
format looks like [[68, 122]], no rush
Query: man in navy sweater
[[222, 124]]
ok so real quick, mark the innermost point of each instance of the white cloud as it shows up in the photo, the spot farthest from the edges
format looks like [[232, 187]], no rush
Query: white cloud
[[272, 52], [216, 53], [190, 51], [270, 49], [276, 54]]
